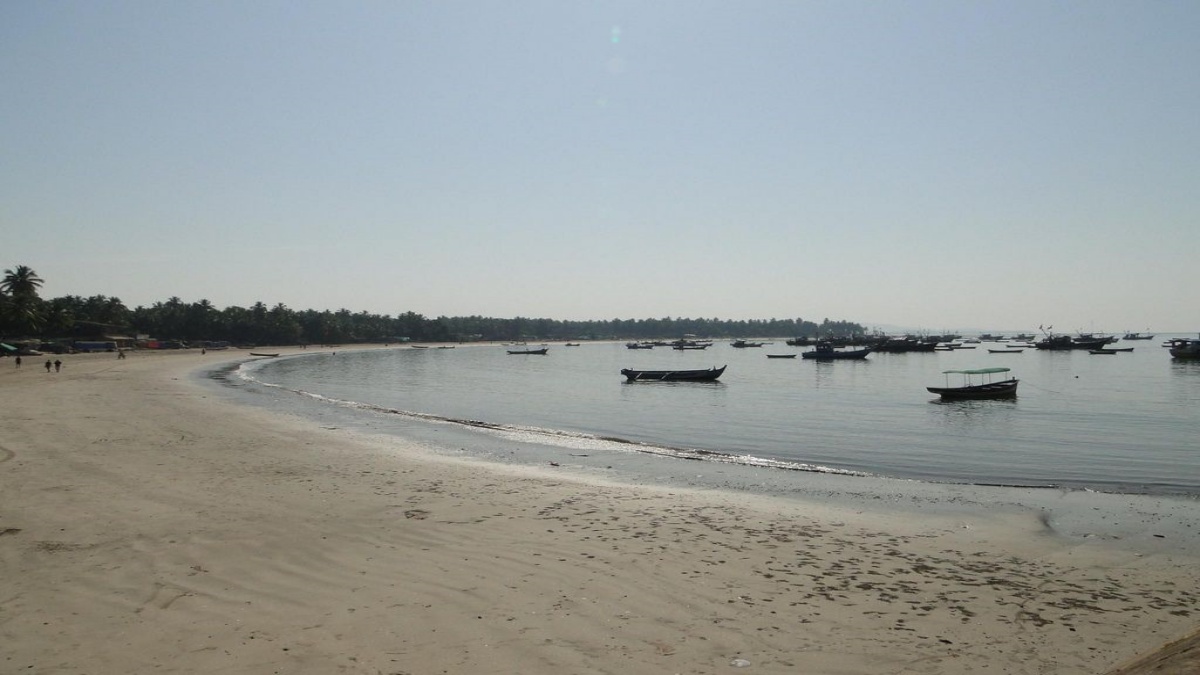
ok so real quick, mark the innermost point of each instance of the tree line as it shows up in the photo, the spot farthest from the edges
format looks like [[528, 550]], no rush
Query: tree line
[[24, 314]]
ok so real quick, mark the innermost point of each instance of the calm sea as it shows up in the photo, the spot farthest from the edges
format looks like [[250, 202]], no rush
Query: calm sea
[[1127, 423]]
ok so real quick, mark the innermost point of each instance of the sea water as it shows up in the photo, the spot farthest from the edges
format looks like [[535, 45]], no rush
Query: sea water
[[1123, 423]]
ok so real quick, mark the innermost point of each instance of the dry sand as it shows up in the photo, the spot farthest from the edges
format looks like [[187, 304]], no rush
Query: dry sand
[[149, 524]]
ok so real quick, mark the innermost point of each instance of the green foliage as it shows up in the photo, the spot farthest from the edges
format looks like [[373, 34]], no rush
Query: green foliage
[[23, 313]]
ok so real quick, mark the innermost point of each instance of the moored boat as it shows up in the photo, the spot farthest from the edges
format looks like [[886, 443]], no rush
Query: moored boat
[[543, 350], [825, 351], [705, 375], [781, 356], [1185, 348], [1066, 342], [1006, 388]]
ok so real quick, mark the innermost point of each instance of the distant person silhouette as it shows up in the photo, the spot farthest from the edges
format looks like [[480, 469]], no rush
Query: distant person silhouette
[[49, 365], [18, 360], [57, 365]]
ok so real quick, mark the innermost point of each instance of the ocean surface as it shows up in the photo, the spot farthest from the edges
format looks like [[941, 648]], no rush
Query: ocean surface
[[1121, 423]]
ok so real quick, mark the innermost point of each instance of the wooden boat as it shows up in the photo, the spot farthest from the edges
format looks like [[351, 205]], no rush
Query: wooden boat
[[1005, 351], [639, 345], [1137, 336], [781, 356], [1110, 350], [826, 352], [1002, 389], [1185, 348], [571, 344], [707, 375], [1065, 342], [262, 354], [905, 345], [543, 350], [742, 344]]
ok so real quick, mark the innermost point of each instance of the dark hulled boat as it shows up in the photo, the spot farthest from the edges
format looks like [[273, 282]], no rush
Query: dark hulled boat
[[1185, 348], [705, 375], [541, 351], [826, 352], [1003, 389], [1065, 342]]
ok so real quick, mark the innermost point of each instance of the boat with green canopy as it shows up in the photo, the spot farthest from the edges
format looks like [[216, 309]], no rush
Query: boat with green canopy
[[989, 388]]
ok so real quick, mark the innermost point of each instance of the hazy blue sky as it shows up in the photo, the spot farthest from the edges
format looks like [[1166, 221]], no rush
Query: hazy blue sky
[[930, 164]]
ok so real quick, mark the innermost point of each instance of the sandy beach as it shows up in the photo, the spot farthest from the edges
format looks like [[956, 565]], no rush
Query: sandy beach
[[150, 524]]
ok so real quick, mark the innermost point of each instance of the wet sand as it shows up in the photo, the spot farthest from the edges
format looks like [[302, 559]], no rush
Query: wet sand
[[149, 523]]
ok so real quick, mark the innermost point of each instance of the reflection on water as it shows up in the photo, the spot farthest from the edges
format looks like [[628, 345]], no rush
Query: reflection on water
[[968, 406]]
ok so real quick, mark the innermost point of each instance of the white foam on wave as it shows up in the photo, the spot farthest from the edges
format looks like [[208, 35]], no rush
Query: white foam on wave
[[556, 437]]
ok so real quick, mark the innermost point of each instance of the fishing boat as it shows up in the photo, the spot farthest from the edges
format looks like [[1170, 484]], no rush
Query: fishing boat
[[742, 344], [904, 345], [1185, 348], [706, 375], [639, 345], [1006, 388], [825, 351], [781, 356], [1065, 342], [542, 351], [1110, 350], [1137, 336], [264, 354], [1005, 351]]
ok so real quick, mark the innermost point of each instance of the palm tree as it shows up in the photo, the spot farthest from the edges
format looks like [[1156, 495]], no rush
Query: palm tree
[[21, 282]]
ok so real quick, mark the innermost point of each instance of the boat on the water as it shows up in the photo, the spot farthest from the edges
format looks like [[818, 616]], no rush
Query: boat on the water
[[1065, 342], [1185, 348], [904, 345], [543, 350], [825, 351], [1110, 350], [742, 344], [781, 356], [1006, 388], [1005, 351], [705, 375], [264, 354], [1137, 336]]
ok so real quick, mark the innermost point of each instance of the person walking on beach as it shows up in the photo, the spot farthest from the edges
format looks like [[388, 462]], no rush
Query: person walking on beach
[[48, 365], [57, 365], [18, 360]]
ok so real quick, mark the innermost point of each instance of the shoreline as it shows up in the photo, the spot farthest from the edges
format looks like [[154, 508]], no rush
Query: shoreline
[[148, 522]]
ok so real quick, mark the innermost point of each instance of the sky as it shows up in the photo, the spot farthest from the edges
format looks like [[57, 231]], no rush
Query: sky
[[926, 164]]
